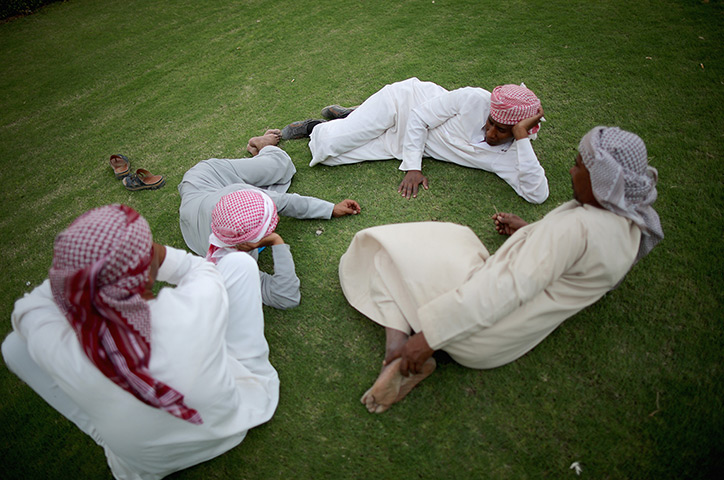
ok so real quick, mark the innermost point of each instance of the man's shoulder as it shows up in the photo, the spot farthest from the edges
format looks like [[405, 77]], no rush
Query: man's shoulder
[[474, 92]]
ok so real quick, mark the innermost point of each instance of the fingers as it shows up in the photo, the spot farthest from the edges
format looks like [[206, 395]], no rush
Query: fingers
[[410, 366], [346, 207], [501, 223], [409, 189], [402, 188], [245, 246], [405, 189], [353, 206], [405, 367]]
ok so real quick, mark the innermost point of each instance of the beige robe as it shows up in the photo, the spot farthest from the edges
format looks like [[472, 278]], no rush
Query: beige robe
[[484, 310]]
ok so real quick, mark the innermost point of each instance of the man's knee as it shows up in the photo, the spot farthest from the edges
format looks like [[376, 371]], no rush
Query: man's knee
[[238, 267], [14, 350]]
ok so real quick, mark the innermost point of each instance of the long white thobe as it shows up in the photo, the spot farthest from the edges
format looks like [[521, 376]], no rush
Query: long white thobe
[[205, 343], [411, 119], [486, 311]]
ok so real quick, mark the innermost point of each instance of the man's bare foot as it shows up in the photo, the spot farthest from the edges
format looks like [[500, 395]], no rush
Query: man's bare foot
[[391, 386], [508, 223], [270, 137]]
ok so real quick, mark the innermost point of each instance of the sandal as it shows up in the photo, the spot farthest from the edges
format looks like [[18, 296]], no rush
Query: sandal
[[121, 166], [143, 180]]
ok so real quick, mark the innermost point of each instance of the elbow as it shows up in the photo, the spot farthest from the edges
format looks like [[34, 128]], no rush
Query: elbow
[[538, 199], [537, 196], [285, 299], [287, 302]]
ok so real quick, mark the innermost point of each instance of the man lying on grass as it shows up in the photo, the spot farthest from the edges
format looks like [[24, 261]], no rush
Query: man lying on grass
[[488, 310], [231, 205], [406, 120], [161, 382]]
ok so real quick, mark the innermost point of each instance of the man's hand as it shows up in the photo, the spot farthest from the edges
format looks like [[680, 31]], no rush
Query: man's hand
[[408, 187], [346, 207], [271, 239], [520, 129], [158, 255], [414, 353], [508, 223]]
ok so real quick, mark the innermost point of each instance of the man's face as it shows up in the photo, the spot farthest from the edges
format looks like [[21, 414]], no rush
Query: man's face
[[497, 133], [581, 179]]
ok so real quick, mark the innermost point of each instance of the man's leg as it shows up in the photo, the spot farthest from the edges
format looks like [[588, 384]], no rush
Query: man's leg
[[369, 121], [272, 168], [384, 278], [245, 331], [17, 358], [391, 386]]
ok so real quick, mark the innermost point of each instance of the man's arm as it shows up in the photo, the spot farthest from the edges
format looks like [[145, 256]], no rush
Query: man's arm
[[298, 206], [280, 290], [522, 268], [424, 117], [520, 167]]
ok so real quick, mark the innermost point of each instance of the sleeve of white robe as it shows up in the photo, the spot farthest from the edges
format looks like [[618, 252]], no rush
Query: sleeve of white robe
[[35, 318], [430, 114], [281, 290], [523, 267], [178, 264], [520, 169]]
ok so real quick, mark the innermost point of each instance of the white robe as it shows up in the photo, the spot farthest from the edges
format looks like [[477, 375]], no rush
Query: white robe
[[411, 119], [205, 343], [486, 311]]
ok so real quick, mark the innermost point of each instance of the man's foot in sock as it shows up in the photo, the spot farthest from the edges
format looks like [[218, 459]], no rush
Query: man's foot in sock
[[333, 112], [300, 129]]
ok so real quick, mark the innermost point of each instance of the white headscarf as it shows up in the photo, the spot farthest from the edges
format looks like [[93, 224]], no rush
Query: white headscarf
[[622, 180]]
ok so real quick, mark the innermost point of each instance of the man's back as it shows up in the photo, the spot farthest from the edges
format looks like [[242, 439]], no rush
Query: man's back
[[188, 345]]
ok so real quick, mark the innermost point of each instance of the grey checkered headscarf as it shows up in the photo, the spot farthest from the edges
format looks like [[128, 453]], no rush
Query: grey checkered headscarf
[[622, 180]]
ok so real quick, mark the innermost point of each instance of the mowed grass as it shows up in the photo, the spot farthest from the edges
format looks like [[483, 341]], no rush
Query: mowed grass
[[630, 387]]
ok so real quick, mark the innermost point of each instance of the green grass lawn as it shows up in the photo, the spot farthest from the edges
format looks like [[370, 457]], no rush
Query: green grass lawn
[[631, 387]]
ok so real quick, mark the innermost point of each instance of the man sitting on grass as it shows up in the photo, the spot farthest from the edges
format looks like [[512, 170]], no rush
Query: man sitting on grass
[[486, 311], [406, 120], [161, 382], [242, 221]]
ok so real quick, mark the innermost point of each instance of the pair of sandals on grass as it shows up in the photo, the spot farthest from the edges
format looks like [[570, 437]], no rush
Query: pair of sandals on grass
[[140, 180]]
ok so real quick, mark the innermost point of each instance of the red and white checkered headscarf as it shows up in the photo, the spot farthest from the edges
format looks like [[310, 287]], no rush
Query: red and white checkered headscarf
[[509, 104], [101, 266], [242, 216]]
